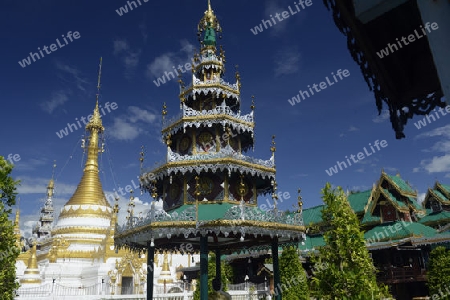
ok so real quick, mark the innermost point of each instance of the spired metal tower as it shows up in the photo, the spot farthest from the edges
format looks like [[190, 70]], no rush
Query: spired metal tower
[[208, 140], [207, 184]]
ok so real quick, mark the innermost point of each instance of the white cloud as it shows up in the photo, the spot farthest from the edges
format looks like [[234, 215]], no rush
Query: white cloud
[[382, 117], [38, 185], [438, 163], [420, 197], [57, 99], [121, 130], [29, 164], [287, 61], [440, 131], [138, 114], [130, 58], [353, 128], [119, 46], [165, 62], [75, 73], [128, 127]]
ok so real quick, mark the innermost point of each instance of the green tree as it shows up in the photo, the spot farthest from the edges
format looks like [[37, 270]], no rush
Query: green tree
[[293, 276], [226, 272], [343, 267], [439, 272], [8, 250]]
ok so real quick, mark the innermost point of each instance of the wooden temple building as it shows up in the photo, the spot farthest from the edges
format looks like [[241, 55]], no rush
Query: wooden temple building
[[399, 231]]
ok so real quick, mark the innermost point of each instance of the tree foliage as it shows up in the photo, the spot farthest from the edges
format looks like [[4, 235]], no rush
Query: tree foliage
[[439, 272], [226, 274], [8, 250], [293, 276], [346, 269]]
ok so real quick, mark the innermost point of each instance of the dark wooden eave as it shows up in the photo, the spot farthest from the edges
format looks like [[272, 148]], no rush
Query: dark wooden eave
[[406, 80]]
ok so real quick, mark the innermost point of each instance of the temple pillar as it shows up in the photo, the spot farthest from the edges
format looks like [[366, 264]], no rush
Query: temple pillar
[[218, 266], [203, 267], [276, 268], [150, 271]]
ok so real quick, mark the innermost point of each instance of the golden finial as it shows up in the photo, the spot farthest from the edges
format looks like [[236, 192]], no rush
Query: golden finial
[[208, 20], [273, 148], [164, 110], [274, 193], [222, 54], [141, 157], [180, 80], [242, 187], [154, 190], [169, 140], [116, 205], [300, 202], [252, 107], [196, 58], [130, 210], [197, 187]]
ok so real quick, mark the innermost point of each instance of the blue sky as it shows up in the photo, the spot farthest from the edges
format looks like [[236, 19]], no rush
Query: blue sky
[[137, 47]]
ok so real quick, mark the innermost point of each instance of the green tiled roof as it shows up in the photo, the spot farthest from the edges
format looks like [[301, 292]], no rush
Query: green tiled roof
[[414, 202], [313, 215], [398, 230], [401, 184], [359, 200], [436, 217], [440, 195], [208, 212], [312, 242], [368, 219], [393, 199], [446, 187]]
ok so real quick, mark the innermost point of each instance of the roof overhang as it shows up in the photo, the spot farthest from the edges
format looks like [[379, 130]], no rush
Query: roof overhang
[[406, 79]]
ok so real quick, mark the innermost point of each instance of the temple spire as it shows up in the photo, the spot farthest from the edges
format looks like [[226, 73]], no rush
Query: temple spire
[[210, 25], [31, 275], [89, 190]]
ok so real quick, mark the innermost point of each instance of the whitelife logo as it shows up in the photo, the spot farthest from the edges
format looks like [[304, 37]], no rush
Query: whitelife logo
[[391, 48], [73, 126], [430, 118], [124, 9], [71, 36], [315, 87], [284, 15], [360, 155]]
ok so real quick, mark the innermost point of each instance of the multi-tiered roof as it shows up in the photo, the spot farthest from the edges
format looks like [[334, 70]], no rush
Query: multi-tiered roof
[[207, 183]]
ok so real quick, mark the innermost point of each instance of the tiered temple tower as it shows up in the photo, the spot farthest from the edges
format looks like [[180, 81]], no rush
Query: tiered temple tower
[[44, 227], [207, 184], [207, 142]]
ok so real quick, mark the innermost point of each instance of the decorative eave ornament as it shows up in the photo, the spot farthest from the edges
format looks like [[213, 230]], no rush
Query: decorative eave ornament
[[406, 80]]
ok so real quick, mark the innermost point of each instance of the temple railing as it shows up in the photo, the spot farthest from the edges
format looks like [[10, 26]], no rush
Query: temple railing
[[401, 274], [219, 110]]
